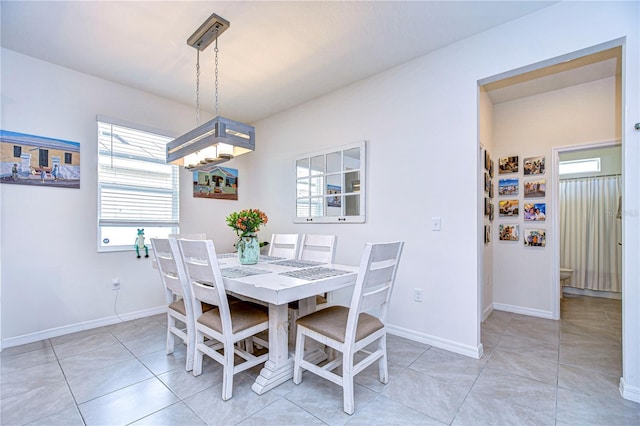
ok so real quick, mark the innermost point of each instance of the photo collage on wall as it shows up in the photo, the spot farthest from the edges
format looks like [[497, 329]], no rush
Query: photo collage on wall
[[532, 198], [489, 191]]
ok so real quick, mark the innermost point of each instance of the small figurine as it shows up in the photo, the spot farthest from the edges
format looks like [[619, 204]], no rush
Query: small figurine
[[140, 244]]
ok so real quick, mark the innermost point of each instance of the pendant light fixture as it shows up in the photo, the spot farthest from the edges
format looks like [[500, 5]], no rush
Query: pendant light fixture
[[217, 140]]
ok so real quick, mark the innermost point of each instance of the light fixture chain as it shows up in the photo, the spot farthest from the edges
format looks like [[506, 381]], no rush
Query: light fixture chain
[[216, 50], [198, 89]]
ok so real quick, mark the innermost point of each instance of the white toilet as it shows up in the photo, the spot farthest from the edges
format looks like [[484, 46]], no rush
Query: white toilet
[[565, 274]]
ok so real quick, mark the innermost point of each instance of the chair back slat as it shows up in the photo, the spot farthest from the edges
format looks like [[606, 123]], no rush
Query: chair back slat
[[374, 284], [199, 236], [318, 248], [172, 273], [284, 245], [204, 277]]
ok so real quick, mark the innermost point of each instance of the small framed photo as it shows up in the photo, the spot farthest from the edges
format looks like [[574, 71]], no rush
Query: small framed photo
[[535, 238], [490, 189], [508, 186], [487, 234], [508, 208], [487, 160], [533, 166], [509, 232], [491, 168], [491, 212], [535, 189], [535, 211], [487, 182], [508, 165], [487, 206]]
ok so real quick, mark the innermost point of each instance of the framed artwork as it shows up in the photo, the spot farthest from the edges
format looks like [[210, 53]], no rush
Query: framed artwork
[[535, 211], [38, 161], [487, 206], [490, 189], [487, 234], [491, 168], [535, 237], [487, 182], [487, 160], [491, 212], [218, 183], [508, 165], [535, 188], [509, 232], [533, 166], [508, 208], [508, 186]]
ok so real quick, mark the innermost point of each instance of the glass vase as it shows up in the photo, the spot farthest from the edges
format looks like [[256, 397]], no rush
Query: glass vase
[[248, 249]]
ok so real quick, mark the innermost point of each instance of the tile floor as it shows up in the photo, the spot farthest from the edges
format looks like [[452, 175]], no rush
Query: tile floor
[[534, 371]]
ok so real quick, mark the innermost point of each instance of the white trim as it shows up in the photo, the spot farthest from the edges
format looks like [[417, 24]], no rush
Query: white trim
[[438, 342], [487, 312], [73, 328], [523, 311], [629, 392]]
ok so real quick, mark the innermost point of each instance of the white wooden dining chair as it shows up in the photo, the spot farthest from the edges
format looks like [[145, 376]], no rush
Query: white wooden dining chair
[[350, 329], [284, 245], [228, 324], [314, 248], [179, 307]]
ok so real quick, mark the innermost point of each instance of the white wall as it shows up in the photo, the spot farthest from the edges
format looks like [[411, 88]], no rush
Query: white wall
[[531, 127], [486, 140], [52, 275]]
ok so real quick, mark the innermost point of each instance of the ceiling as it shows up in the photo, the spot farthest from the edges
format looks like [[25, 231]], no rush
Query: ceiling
[[274, 56]]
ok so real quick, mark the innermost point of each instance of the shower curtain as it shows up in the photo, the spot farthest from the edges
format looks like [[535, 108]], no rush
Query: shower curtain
[[590, 232]]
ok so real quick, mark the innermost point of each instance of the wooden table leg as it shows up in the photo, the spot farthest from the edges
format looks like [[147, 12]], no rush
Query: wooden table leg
[[279, 368]]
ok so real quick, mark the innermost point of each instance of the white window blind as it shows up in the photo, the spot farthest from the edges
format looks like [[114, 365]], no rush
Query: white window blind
[[136, 189]]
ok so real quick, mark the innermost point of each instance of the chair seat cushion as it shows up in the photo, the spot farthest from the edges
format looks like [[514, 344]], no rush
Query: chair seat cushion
[[332, 322], [243, 315], [179, 307]]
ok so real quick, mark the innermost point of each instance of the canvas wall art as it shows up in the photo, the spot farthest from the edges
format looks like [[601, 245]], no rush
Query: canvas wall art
[[508, 232], [218, 183], [533, 166], [508, 186], [508, 208], [535, 189], [535, 211], [535, 237], [38, 160], [508, 164]]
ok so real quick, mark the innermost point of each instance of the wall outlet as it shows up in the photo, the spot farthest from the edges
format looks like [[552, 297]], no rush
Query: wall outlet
[[115, 284], [417, 295]]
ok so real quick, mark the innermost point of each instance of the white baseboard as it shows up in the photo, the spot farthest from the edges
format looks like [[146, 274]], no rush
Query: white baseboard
[[438, 342], [487, 312], [523, 311], [632, 393], [73, 328]]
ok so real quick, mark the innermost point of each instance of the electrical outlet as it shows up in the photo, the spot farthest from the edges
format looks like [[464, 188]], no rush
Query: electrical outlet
[[417, 295], [115, 284]]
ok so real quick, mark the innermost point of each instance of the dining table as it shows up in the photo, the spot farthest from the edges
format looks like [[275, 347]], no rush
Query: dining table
[[277, 281]]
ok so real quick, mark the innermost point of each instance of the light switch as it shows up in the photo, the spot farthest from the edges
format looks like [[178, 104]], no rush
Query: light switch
[[435, 224]]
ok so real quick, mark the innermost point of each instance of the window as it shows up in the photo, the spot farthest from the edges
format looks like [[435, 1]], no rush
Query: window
[[67, 158], [579, 166], [330, 186], [17, 151], [136, 188]]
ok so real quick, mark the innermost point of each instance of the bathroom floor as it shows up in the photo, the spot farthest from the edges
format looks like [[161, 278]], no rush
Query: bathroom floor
[[534, 371]]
